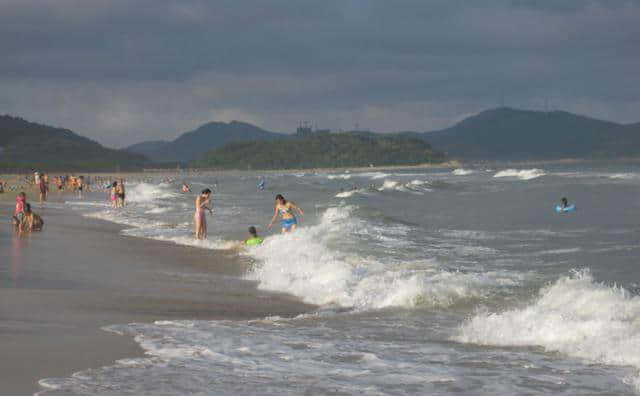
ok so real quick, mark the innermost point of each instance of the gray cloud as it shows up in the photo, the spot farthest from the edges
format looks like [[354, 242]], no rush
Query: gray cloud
[[122, 71]]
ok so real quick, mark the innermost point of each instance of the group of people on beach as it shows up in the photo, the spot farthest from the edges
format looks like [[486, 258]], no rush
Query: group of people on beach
[[24, 219], [283, 209]]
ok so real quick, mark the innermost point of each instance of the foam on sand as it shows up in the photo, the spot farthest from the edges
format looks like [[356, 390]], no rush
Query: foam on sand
[[575, 316], [522, 174]]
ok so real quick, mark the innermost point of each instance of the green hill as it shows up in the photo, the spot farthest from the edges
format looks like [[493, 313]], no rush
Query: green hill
[[192, 145], [25, 146], [324, 151], [510, 134]]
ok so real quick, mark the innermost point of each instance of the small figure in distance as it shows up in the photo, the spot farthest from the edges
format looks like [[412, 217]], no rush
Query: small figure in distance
[[285, 209], [185, 188], [253, 239], [565, 202], [200, 217], [43, 188]]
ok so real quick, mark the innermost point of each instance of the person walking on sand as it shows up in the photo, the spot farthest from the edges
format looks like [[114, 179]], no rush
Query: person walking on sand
[[285, 209], [200, 217], [43, 190]]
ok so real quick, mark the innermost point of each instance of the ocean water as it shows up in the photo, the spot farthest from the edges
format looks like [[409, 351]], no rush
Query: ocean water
[[460, 281]]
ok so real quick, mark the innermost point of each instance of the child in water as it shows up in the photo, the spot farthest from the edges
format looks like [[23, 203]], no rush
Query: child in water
[[31, 221], [565, 202], [18, 215], [253, 239]]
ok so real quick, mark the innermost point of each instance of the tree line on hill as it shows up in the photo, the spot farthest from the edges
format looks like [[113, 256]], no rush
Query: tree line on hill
[[498, 134]]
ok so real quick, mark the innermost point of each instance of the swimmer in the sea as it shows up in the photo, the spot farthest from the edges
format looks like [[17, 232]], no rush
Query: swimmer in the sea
[[200, 217], [564, 202], [285, 209], [185, 188], [253, 239]]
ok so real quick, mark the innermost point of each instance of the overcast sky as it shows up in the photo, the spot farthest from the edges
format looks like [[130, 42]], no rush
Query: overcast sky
[[123, 71]]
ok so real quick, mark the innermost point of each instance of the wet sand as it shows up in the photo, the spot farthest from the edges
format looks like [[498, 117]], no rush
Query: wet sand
[[60, 286]]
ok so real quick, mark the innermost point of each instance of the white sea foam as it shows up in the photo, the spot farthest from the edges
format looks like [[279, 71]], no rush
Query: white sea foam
[[624, 176], [342, 177], [266, 357], [522, 174], [414, 186], [462, 172], [575, 316], [305, 264], [350, 193], [145, 192]]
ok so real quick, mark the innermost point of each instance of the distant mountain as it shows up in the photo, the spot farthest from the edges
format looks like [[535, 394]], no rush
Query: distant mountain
[[510, 134], [26, 145], [324, 151], [148, 148], [191, 145]]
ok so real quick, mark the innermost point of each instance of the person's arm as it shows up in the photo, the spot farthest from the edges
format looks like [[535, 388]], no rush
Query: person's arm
[[275, 216], [203, 205], [296, 207]]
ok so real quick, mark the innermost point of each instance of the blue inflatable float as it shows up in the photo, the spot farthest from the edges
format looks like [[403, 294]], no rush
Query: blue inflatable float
[[570, 208]]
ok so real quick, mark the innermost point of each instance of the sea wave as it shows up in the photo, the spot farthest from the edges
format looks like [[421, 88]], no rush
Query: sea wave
[[462, 172], [522, 174], [304, 263], [575, 315]]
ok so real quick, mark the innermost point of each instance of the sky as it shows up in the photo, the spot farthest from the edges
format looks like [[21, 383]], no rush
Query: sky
[[124, 71]]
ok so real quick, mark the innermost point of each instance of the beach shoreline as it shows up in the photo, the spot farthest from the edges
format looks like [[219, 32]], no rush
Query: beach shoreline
[[59, 287]]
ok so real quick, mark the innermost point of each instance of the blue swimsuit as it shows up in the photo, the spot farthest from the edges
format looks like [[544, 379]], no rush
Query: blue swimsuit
[[287, 223]]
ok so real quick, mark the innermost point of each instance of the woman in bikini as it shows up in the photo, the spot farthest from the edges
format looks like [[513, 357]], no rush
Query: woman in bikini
[[285, 209], [200, 218]]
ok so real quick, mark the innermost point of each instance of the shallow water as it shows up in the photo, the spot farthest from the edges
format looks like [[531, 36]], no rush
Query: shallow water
[[428, 281]]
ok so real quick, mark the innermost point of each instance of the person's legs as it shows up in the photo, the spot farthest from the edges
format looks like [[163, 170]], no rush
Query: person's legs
[[198, 225], [204, 226]]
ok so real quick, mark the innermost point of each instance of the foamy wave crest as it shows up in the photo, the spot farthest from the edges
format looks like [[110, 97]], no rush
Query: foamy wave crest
[[306, 264], [144, 192], [623, 176], [343, 177], [575, 316], [462, 172], [350, 193], [414, 186], [523, 174]]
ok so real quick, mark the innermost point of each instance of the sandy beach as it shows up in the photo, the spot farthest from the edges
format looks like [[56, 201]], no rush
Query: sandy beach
[[60, 286]]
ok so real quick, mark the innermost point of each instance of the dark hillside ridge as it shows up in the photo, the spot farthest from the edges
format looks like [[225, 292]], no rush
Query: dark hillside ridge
[[192, 145], [25, 146], [510, 134]]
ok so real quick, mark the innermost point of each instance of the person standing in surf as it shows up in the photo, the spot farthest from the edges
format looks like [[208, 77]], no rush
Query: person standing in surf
[[285, 209], [200, 217], [43, 189]]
